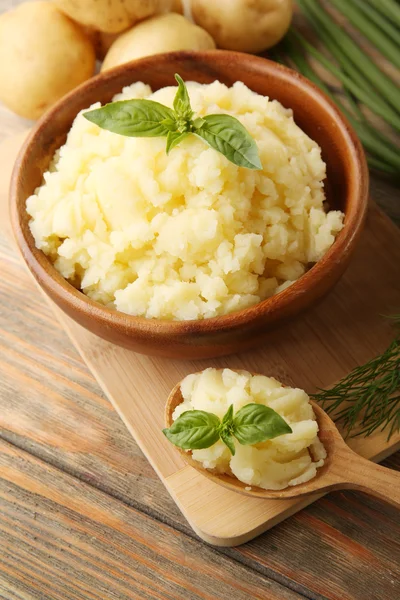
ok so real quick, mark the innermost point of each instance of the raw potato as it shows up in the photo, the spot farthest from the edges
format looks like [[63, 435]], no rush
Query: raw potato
[[111, 16], [164, 33], [244, 25], [43, 55], [177, 6], [103, 42]]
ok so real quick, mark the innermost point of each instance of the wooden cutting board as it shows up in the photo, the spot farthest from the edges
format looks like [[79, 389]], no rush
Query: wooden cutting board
[[345, 330]]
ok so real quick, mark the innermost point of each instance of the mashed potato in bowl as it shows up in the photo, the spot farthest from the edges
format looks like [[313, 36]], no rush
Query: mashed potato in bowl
[[189, 235], [275, 464]]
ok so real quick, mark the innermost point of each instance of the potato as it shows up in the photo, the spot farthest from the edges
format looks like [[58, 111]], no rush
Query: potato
[[177, 6], [102, 42], [111, 16], [243, 25], [43, 55], [164, 33], [106, 40]]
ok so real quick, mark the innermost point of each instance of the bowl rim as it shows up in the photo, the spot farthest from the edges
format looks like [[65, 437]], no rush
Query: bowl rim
[[44, 270]]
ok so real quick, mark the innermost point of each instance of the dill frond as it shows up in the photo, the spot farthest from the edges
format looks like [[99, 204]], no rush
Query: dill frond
[[369, 397]]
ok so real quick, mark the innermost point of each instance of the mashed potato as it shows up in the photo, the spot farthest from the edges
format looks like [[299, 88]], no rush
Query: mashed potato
[[287, 460], [189, 235]]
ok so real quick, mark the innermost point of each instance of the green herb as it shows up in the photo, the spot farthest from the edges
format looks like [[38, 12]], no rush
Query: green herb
[[385, 156], [370, 29], [134, 118], [386, 112], [195, 429], [354, 54], [372, 12], [182, 107], [252, 424], [364, 83], [227, 135], [369, 397], [146, 118], [389, 8]]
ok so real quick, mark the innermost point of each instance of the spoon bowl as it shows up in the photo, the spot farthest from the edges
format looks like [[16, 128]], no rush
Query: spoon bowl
[[342, 469]]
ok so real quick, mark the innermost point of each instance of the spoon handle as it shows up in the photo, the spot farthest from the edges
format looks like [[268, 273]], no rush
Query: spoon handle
[[373, 479]]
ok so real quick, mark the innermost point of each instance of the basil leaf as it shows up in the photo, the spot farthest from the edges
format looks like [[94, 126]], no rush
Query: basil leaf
[[198, 123], [228, 441], [193, 430], [227, 135], [182, 101], [133, 118], [227, 418], [256, 423], [174, 138], [170, 124]]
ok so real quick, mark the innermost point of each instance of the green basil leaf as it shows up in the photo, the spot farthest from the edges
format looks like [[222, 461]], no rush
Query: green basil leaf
[[182, 101], [256, 423], [174, 138], [198, 123], [170, 124], [228, 417], [193, 430], [133, 118], [228, 441], [227, 135]]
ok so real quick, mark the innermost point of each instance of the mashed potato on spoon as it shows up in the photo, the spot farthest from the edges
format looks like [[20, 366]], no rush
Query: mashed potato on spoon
[[274, 464], [189, 235]]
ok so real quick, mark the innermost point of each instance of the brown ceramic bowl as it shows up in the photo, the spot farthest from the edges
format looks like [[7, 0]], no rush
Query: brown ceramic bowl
[[347, 179]]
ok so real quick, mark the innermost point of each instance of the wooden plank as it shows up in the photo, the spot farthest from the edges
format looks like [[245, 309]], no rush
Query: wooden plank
[[275, 549], [124, 376], [51, 405], [62, 539], [316, 350], [330, 542], [43, 419]]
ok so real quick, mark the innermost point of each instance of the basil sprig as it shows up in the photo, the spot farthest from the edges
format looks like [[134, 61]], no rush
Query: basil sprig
[[252, 424], [146, 118]]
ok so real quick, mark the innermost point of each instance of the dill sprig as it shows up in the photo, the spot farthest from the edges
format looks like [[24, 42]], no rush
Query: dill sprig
[[369, 397]]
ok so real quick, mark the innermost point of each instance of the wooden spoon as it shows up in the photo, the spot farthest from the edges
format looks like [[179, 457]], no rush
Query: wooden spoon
[[343, 468]]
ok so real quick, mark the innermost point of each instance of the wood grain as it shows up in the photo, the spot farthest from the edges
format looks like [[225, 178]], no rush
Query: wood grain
[[326, 551], [342, 468], [227, 520], [101, 549], [348, 530]]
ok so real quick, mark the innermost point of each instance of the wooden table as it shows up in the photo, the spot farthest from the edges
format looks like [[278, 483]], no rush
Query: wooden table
[[84, 516]]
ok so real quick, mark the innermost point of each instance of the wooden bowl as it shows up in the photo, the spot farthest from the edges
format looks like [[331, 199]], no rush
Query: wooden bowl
[[347, 178]]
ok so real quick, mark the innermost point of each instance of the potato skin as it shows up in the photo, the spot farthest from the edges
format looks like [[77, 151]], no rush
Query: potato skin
[[164, 33], [244, 25], [43, 55], [111, 16], [177, 6]]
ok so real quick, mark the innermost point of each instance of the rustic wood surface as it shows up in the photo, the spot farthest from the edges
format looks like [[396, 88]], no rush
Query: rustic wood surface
[[52, 409], [226, 519], [83, 515]]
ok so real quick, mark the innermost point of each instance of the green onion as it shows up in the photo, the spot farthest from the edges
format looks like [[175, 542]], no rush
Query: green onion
[[388, 115], [389, 8], [381, 82], [370, 30], [337, 52], [376, 17], [386, 155]]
